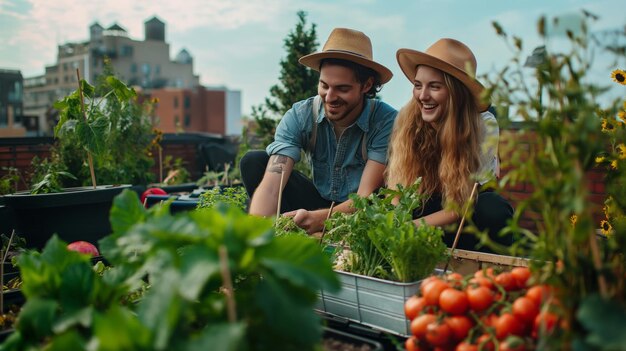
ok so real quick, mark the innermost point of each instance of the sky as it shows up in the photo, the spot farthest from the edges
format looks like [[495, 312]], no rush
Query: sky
[[239, 43]]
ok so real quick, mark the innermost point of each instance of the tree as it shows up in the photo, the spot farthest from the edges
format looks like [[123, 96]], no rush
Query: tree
[[297, 82]]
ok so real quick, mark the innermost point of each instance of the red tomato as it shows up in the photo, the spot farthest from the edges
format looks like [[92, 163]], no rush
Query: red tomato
[[460, 326], [438, 333], [419, 324], [466, 346], [413, 306], [525, 309], [506, 281], [539, 294], [432, 291], [521, 275], [454, 279], [489, 320], [411, 344], [83, 247], [485, 342], [544, 324], [479, 298], [512, 344], [152, 191], [507, 324], [453, 301]]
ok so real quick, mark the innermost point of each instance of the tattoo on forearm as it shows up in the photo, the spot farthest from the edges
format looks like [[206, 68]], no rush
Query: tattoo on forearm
[[277, 164]]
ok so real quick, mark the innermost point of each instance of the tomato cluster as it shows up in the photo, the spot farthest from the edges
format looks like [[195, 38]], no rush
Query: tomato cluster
[[484, 311]]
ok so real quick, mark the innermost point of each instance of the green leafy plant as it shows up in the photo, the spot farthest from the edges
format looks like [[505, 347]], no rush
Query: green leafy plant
[[48, 176], [216, 277], [382, 238], [9, 181], [565, 126], [286, 226], [107, 123], [233, 196], [177, 173]]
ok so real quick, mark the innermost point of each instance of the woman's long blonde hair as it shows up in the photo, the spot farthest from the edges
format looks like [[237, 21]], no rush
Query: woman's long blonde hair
[[446, 156]]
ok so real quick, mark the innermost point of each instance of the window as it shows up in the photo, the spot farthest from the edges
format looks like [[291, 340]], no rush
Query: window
[[145, 69], [3, 115], [187, 120], [157, 69], [187, 102], [133, 68], [175, 101], [126, 51]]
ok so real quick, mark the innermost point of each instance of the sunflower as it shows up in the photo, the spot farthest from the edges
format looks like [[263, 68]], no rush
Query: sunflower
[[614, 164], [607, 126], [573, 219], [599, 159], [619, 76], [621, 148], [622, 116], [606, 227]]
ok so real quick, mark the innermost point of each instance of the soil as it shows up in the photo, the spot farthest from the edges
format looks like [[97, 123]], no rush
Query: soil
[[332, 344]]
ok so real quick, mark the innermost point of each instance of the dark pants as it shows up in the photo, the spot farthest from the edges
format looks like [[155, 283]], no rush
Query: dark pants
[[299, 191], [491, 213]]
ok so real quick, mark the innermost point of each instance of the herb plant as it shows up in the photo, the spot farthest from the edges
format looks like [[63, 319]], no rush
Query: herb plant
[[383, 240], [234, 196], [106, 123]]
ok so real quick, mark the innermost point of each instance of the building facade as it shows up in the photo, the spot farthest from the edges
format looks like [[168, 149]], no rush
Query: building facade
[[201, 109], [144, 64], [11, 103]]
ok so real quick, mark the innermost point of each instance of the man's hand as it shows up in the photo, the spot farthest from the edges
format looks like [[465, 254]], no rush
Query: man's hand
[[311, 221]]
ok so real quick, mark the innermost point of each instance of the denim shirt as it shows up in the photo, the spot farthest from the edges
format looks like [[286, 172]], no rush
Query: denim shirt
[[337, 164]]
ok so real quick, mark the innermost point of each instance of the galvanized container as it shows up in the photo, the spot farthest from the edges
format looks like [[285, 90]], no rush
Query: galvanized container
[[374, 302]]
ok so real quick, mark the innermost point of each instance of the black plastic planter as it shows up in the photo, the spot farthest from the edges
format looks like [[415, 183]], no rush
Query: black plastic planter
[[74, 214]]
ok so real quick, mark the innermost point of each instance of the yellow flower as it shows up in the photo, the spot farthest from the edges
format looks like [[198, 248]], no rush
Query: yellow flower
[[599, 159], [622, 151], [619, 76], [614, 164], [606, 227], [607, 126], [622, 116], [605, 209], [573, 220]]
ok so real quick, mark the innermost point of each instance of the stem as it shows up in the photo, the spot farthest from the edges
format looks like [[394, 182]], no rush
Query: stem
[[330, 211], [82, 108], [280, 192], [595, 253], [160, 165], [4, 258], [228, 285], [458, 232]]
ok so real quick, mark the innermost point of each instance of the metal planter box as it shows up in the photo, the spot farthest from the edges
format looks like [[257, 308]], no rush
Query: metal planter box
[[375, 302]]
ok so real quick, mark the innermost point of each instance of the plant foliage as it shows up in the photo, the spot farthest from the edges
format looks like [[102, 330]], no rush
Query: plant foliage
[[383, 240]]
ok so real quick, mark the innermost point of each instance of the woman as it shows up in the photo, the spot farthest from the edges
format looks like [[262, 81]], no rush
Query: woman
[[443, 136]]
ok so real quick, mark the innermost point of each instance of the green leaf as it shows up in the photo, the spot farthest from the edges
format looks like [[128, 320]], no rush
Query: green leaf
[[606, 322], [121, 90], [160, 309], [77, 286], [229, 337], [287, 314], [300, 261], [71, 340], [198, 263], [92, 134], [36, 318], [126, 211], [119, 329], [81, 317]]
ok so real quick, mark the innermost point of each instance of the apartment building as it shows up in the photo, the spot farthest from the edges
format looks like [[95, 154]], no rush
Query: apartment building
[[144, 64], [11, 106]]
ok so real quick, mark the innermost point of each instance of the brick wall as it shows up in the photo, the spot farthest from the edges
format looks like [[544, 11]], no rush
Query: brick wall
[[20, 151]]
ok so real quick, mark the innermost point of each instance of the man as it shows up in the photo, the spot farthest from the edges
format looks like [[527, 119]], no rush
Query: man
[[344, 130]]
